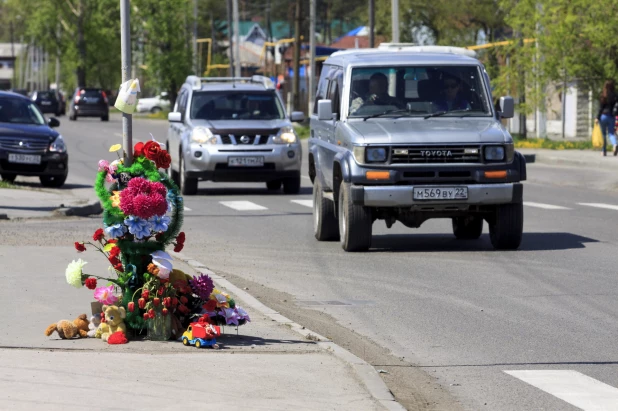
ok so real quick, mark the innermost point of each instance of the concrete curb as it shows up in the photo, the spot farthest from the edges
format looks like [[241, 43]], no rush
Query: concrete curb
[[365, 372], [530, 158], [80, 211]]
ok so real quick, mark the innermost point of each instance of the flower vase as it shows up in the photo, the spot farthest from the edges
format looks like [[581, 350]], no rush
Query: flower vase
[[159, 327]]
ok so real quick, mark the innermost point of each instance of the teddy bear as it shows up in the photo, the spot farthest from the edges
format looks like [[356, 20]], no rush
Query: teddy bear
[[68, 329], [114, 322], [95, 321]]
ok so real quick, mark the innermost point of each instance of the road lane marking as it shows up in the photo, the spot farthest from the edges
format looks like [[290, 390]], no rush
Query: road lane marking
[[305, 177], [306, 203], [187, 209], [545, 206], [118, 134], [242, 205], [600, 205], [572, 387]]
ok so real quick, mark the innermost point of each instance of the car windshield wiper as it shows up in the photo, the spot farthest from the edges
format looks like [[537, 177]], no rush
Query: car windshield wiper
[[441, 113], [403, 110]]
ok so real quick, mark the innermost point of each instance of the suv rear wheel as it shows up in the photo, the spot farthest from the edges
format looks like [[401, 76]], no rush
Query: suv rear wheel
[[105, 118], [274, 185], [9, 177], [506, 226], [467, 228], [188, 185], [52, 181], [291, 185], [325, 225], [355, 222]]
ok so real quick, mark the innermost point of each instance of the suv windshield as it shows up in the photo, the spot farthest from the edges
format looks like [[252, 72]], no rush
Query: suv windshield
[[46, 95], [16, 110], [420, 90], [236, 105]]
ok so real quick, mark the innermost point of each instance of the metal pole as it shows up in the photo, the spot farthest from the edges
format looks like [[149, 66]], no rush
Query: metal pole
[[230, 36], [195, 67], [297, 46], [372, 23], [237, 72], [395, 20], [125, 50], [311, 74]]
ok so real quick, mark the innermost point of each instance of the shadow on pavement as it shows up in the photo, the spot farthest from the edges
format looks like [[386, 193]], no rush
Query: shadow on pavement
[[447, 242], [66, 186], [27, 208]]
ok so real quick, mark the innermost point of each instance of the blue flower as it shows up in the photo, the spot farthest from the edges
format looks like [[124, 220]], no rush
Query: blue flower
[[159, 223], [115, 231], [138, 227]]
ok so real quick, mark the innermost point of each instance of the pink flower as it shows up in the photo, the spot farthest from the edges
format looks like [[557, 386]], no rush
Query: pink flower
[[103, 165], [143, 198], [105, 295]]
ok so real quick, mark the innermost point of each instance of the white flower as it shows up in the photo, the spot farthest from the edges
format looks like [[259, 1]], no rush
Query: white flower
[[74, 272], [163, 261]]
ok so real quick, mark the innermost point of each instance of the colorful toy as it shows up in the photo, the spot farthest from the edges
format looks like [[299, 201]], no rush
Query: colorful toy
[[95, 321], [68, 329], [201, 333], [114, 321]]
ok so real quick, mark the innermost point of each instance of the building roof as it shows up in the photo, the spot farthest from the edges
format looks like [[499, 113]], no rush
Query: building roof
[[5, 49]]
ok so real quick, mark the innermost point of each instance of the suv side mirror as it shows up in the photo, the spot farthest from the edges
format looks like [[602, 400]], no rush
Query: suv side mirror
[[325, 110], [297, 117], [53, 122], [507, 107], [174, 117]]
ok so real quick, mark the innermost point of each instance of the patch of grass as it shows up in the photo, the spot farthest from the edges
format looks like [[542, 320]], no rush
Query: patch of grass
[[6, 184], [302, 131], [161, 115], [553, 144]]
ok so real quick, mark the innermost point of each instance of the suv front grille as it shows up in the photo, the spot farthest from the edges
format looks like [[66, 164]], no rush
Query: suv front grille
[[435, 154], [252, 139], [24, 145]]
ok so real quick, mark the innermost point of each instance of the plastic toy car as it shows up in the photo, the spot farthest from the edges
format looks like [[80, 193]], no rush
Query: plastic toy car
[[201, 334]]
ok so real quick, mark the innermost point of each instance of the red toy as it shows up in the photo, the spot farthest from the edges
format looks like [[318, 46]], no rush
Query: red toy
[[201, 333]]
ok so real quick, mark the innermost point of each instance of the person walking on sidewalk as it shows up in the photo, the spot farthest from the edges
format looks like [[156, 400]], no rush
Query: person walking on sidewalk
[[607, 115]]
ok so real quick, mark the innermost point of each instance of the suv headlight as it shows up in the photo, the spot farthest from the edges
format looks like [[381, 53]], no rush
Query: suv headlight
[[370, 155], [494, 153], [203, 135], [58, 145], [286, 135]]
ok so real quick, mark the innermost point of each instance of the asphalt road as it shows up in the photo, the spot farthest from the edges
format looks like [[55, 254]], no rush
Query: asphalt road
[[458, 311]]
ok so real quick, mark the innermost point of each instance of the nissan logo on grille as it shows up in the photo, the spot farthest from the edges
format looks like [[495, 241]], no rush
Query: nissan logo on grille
[[436, 153], [245, 139]]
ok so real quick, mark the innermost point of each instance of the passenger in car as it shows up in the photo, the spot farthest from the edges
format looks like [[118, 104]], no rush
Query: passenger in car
[[451, 96], [378, 94]]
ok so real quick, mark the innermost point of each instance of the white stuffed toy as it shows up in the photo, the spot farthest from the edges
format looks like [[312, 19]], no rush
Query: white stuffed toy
[[95, 321]]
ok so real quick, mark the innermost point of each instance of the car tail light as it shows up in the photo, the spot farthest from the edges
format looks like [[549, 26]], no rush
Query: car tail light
[[104, 96]]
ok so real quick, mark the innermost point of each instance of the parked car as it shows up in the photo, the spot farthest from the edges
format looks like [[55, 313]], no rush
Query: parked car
[[233, 129], [153, 104], [47, 101], [62, 103], [89, 102], [410, 135], [28, 144]]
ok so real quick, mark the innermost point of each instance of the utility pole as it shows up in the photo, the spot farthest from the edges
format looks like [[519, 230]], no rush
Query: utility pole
[[372, 23], [12, 42], [237, 71], [195, 67], [125, 51], [395, 20], [230, 36], [311, 74], [297, 45]]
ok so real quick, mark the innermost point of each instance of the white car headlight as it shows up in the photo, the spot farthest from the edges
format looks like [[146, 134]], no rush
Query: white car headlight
[[58, 145], [494, 153], [286, 135], [202, 135]]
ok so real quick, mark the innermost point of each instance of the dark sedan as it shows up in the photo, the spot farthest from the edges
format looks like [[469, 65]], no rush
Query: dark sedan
[[28, 144], [89, 102], [47, 102]]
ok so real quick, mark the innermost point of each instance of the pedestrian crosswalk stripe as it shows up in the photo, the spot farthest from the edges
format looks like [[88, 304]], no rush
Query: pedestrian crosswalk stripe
[[306, 203], [187, 209], [600, 205], [545, 206], [242, 205], [572, 387]]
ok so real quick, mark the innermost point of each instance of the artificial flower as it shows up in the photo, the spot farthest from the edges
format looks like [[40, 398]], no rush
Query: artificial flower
[[163, 160], [115, 148], [153, 269], [114, 252], [184, 299], [178, 248], [164, 311], [145, 293], [210, 305], [141, 303], [159, 223], [152, 149], [242, 314], [131, 306], [138, 149], [181, 237], [221, 301], [146, 316], [111, 241], [80, 247], [156, 301], [74, 272], [91, 283], [230, 315], [143, 198], [98, 235], [103, 165], [115, 199], [140, 228], [202, 286], [105, 295], [163, 261], [116, 230]]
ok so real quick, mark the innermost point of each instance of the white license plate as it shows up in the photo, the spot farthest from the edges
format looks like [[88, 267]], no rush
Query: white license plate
[[245, 161], [24, 159], [440, 193], [46, 103]]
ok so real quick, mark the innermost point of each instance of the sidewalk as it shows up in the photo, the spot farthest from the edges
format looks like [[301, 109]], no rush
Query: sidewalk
[[266, 366], [572, 158]]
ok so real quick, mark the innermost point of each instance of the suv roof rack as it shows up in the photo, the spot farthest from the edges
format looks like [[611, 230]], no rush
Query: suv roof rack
[[196, 82], [395, 47]]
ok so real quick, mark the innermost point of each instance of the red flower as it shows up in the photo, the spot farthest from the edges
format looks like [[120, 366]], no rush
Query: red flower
[[141, 303], [146, 316], [174, 301], [178, 248], [156, 301], [114, 261], [159, 236], [80, 247], [160, 292], [112, 241], [164, 311], [118, 267], [152, 149], [103, 316], [164, 160], [167, 301], [181, 238], [114, 252], [184, 300], [131, 306], [151, 313], [98, 235], [143, 198], [210, 305], [183, 309], [138, 149], [145, 293], [91, 283]]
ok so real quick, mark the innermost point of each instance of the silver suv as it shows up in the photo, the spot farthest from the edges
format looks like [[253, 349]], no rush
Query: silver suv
[[233, 130], [410, 135]]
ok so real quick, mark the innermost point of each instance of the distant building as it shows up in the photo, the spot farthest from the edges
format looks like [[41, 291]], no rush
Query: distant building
[[8, 56]]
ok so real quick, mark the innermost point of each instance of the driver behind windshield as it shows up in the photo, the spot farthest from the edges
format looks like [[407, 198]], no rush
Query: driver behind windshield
[[378, 94], [451, 95]]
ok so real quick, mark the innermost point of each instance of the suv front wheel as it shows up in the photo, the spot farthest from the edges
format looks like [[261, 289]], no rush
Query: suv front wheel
[[506, 226], [355, 222], [291, 185]]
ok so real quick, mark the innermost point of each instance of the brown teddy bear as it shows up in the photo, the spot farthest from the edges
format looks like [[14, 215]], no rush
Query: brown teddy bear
[[114, 322], [68, 329]]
